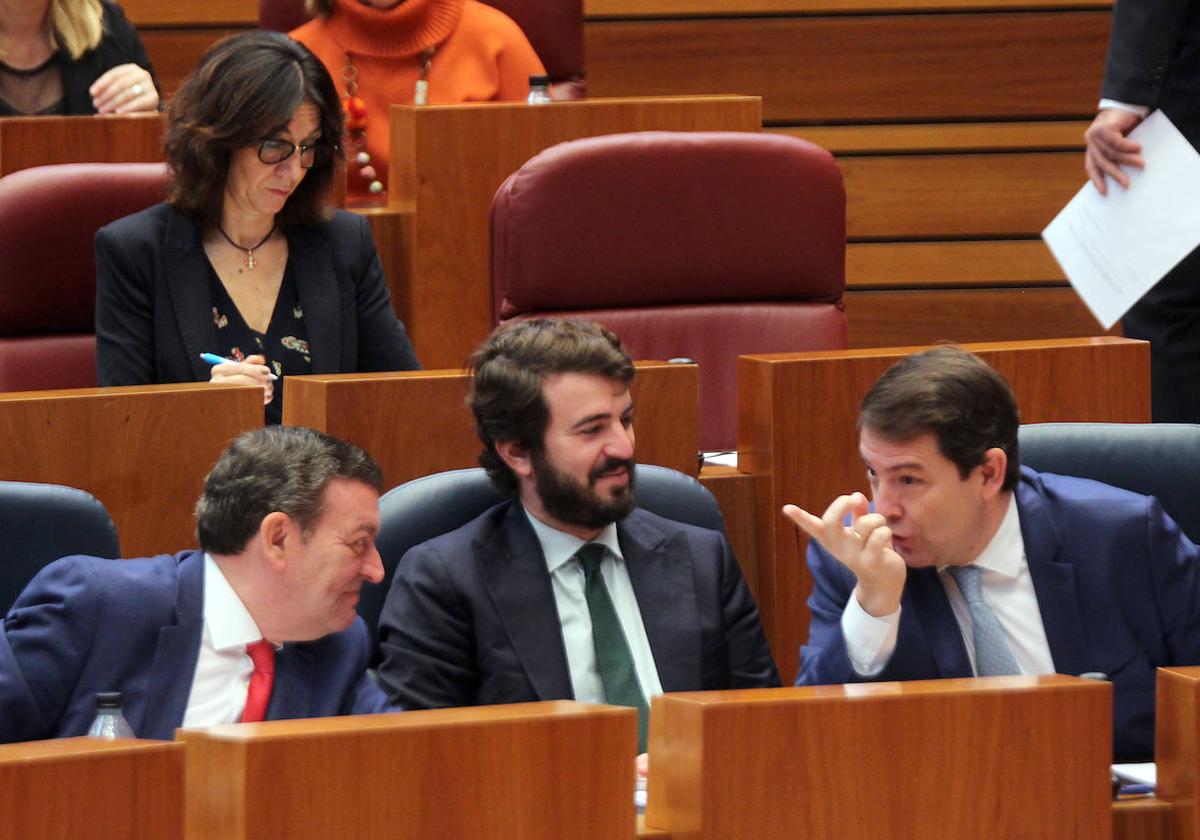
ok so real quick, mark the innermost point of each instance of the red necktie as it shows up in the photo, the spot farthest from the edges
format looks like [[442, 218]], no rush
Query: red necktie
[[262, 653]]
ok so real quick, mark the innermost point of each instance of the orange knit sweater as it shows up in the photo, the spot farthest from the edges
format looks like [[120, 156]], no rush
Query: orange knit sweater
[[480, 55]]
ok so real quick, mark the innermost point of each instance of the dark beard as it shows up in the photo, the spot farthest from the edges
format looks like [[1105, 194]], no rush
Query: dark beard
[[568, 501]]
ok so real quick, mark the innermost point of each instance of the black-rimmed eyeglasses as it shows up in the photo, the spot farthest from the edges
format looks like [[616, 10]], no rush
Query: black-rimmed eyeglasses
[[277, 151]]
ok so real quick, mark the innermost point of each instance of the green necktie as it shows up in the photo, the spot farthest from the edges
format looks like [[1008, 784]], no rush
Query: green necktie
[[613, 659]]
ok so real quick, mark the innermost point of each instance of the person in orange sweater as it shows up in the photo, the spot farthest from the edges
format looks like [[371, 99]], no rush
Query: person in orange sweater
[[436, 52]]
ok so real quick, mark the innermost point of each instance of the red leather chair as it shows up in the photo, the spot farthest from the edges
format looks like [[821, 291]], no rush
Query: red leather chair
[[703, 245], [49, 216], [553, 27]]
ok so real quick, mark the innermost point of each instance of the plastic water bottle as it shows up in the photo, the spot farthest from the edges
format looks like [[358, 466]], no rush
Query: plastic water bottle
[[110, 723], [539, 90]]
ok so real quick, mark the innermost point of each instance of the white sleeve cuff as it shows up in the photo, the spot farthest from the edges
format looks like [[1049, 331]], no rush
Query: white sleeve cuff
[[1140, 110], [870, 641]]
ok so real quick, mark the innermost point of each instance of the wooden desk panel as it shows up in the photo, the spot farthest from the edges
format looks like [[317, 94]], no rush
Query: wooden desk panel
[[38, 141], [1177, 747], [635, 9], [1003, 757], [796, 431], [448, 162], [143, 451], [87, 789], [533, 771], [870, 68], [417, 423]]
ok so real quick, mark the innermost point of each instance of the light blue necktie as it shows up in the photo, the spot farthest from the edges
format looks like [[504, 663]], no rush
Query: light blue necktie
[[993, 656]]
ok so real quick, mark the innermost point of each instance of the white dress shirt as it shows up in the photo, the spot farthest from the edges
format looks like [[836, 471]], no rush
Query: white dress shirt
[[223, 667], [1007, 588], [566, 578]]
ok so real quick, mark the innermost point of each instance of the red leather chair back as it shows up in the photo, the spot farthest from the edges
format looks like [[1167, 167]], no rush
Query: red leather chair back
[[703, 245], [49, 216], [553, 27]]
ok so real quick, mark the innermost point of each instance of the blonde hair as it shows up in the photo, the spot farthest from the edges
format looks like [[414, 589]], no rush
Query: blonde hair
[[78, 25]]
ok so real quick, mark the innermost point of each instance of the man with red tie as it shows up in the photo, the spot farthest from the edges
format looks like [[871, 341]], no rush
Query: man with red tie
[[259, 624]]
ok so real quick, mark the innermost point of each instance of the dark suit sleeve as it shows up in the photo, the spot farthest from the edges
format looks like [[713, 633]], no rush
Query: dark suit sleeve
[[824, 661], [751, 664], [426, 636], [382, 341], [124, 44], [364, 697], [124, 314], [1145, 35], [45, 640], [1175, 571]]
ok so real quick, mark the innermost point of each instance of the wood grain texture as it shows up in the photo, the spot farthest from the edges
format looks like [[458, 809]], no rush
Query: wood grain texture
[[932, 265], [796, 430], [736, 495], [86, 789], [533, 771], [837, 69], [1142, 819], [963, 196], [38, 141], [943, 137], [902, 317], [447, 163], [143, 451], [1177, 747], [417, 423], [952, 737], [158, 13], [635, 9], [174, 52]]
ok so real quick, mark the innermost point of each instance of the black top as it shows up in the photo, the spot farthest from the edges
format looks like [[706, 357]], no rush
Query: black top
[[119, 45], [284, 344]]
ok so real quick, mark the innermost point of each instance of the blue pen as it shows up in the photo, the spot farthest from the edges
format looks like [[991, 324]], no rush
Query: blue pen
[[214, 359]]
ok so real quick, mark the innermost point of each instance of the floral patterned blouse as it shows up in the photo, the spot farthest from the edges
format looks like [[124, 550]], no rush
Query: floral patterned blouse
[[285, 343]]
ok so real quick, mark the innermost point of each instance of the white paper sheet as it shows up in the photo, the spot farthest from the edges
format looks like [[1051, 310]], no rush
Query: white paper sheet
[[1141, 774], [1114, 248]]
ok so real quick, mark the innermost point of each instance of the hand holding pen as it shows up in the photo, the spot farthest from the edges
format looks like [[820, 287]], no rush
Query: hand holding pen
[[252, 370]]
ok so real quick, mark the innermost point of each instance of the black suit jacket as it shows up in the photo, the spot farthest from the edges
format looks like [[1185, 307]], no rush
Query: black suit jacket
[[471, 617], [154, 311], [119, 45]]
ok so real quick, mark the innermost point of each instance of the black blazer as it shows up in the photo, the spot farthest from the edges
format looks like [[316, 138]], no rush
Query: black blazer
[[119, 45], [154, 311], [471, 617]]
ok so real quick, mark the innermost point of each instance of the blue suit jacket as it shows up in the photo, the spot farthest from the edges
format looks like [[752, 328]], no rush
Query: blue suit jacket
[[86, 625], [1117, 583], [471, 617]]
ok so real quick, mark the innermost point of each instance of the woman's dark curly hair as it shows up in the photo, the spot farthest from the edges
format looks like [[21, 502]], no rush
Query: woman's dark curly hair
[[246, 88]]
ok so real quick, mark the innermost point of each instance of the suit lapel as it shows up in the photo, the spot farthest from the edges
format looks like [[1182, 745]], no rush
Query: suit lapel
[[660, 570], [186, 269], [311, 262], [174, 665], [940, 626], [520, 587], [1053, 581]]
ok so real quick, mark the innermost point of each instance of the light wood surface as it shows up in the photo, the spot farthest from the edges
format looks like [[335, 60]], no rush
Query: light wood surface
[[552, 771], [88, 789], [417, 423], [862, 69], [1177, 748], [943, 137], [736, 495], [447, 163], [954, 265], [999, 757], [1145, 818], [38, 141], [900, 317], [635, 9], [143, 451], [796, 432], [147, 14]]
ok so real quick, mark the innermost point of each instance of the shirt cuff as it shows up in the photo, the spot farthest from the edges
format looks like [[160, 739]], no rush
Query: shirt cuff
[[870, 640], [1140, 110]]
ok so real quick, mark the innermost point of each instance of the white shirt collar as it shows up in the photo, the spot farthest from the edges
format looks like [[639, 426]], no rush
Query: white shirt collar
[[228, 622], [558, 546], [1004, 551]]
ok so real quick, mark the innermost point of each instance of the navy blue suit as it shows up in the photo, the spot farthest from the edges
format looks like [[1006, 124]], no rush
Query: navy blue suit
[[471, 617], [1117, 584], [85, 625]]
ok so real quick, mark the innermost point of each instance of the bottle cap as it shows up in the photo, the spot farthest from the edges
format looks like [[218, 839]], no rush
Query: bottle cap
[[108, 700], [539, 81]]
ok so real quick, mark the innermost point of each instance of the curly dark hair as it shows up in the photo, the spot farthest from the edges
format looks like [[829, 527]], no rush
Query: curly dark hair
[[510, 369], [956, 396], [245, 88]]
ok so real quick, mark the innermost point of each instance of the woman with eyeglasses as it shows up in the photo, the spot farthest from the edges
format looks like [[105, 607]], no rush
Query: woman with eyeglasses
[[71, 57], [245, 261]]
